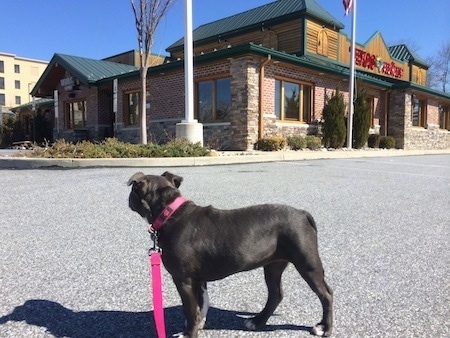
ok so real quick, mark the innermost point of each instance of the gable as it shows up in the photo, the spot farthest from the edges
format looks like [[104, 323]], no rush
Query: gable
[[68, 70], [374, 57], [258, 18]]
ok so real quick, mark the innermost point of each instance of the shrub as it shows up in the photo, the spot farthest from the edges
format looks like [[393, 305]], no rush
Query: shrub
[[183, 148], [112, 148], [361, 120], [313, 142], [373, 141], [387, 142], [271, 143], [334, 130], [296, 142]]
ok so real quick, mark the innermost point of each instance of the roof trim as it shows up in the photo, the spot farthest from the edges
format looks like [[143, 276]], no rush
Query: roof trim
[[87, 71]]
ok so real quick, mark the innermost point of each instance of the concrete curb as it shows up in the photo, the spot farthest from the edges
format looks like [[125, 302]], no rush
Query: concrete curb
[[223, 159]]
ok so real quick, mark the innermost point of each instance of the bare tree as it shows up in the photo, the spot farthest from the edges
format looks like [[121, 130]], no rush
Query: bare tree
[[438, 75], [148, 14]]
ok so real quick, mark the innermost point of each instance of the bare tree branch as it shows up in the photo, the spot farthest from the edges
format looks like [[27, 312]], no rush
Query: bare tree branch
[[147, 14]]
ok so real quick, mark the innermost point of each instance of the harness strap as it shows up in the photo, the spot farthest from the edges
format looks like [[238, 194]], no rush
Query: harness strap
[[158, 308]]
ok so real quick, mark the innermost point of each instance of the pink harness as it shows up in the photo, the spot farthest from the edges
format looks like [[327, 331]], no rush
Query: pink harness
[[155, 265]]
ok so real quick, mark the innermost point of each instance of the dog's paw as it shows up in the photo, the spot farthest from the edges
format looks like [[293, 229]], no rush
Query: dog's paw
[[202, 324], [249, 324], [319, 330]]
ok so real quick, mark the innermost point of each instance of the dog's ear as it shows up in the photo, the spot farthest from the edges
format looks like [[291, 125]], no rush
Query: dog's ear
[[136, 178], [174, 179]]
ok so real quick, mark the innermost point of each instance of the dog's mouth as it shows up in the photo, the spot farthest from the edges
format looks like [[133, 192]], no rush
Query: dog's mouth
[[140, 206]]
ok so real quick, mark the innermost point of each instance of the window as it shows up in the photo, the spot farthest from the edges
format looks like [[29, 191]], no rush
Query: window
[[17, 69], [213, 100], [419, 112], [2, 99], [2, 66], [444, 117], [2, 83], [370, 102], [17, 84], [18, 100], [292, 101], [76, 115], [131, 109], [322, 42]]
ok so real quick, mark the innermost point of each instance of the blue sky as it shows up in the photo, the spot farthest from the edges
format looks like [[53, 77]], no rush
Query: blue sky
[[101, 28]]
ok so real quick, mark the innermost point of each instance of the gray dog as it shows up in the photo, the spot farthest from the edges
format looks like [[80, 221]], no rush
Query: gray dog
[[201, 244]]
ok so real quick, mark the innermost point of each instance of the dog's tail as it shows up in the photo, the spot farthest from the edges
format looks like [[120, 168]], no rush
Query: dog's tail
[[311, 221]]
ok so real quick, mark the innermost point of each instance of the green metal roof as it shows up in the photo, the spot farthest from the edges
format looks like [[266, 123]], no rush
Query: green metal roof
[[269, 13], [87, 71], [38, 103], [403, 53]]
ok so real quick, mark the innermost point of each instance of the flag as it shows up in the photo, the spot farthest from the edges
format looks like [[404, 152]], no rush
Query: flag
[[347, 5]]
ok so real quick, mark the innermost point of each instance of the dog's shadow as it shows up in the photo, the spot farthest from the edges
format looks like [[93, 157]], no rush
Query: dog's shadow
[[63, 322]]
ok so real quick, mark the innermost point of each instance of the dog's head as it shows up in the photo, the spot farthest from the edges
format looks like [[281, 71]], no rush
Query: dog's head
[[151, 193]]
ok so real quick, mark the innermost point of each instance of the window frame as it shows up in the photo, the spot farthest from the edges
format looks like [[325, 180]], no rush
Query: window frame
[[126, 108], [69, 114], [370, 100], [303, 116], [215, 111], [17, 69], [421, 112], [444, 121]]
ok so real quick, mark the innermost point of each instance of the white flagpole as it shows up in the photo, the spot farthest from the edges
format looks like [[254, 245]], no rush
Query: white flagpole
[[188, 62], [352, 79]]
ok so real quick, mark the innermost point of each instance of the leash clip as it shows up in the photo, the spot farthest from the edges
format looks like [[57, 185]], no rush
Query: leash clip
[[154, 237]]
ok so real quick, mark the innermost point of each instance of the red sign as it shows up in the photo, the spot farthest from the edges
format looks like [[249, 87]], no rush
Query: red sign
[[370, 61]]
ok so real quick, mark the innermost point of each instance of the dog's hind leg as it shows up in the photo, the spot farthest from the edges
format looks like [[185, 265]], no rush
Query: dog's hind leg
[[203, 301], [272, 275], [312, 272]]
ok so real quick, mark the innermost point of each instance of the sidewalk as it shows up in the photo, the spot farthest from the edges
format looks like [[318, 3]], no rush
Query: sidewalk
[[220, 158]]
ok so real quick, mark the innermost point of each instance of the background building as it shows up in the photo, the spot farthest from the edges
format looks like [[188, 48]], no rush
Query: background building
[[264, 72], [18, 76]]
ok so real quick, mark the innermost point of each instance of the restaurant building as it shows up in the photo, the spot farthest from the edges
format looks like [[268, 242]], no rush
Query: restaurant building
[[267, 71]]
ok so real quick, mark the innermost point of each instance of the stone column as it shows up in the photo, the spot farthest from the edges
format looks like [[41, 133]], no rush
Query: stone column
[[244, 102], [399, 116]]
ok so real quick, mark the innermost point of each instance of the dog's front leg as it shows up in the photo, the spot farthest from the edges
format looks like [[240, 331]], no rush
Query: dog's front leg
[[187, 290]]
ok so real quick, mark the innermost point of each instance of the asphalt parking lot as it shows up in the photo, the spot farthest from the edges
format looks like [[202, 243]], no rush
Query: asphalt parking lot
[[74, 257]]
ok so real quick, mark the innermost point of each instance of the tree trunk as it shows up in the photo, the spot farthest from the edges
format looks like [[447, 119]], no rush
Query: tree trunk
[[143, 104]]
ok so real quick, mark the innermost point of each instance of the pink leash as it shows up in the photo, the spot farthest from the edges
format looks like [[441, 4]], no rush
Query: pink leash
[[156, 277], [155, 265]]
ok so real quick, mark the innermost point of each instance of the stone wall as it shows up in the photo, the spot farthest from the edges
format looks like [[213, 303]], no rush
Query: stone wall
[[399, 113], [244, 103]]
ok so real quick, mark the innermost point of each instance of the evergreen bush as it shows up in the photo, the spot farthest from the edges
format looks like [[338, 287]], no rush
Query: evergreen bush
[[373, 141], [387, 142], [112, 148], [334, 130], [296, 142], [361, 119], [313, 142], [271, 143]]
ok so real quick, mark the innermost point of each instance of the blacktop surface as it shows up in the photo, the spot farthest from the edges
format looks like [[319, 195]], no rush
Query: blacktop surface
[[74, 263], [13, 159]]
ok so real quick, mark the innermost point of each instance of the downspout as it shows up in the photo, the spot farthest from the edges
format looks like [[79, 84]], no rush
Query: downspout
[[261, 97]]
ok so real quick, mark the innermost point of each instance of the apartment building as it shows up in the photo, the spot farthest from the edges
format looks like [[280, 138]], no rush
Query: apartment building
[[18, 76]]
